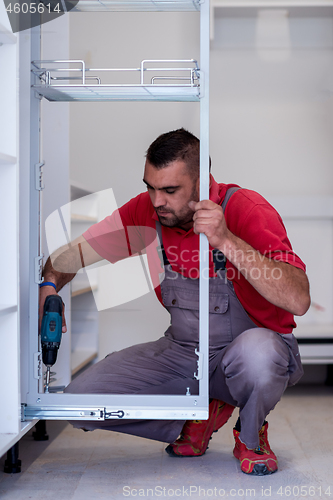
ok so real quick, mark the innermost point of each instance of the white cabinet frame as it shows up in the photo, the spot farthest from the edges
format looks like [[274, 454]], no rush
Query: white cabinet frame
[[38, 404]]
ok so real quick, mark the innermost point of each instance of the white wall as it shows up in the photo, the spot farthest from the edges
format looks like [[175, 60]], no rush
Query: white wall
[[272, 112]]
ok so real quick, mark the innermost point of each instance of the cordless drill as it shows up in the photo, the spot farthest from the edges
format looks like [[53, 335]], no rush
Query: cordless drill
[[51, 332]]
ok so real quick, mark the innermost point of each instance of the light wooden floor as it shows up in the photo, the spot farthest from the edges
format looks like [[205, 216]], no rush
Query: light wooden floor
[[100, 465]]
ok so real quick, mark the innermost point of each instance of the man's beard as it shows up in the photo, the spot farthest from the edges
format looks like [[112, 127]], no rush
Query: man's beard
[[175, 221], [184, 217]]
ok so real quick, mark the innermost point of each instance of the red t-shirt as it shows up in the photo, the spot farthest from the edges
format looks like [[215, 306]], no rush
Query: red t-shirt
[[131, 229]]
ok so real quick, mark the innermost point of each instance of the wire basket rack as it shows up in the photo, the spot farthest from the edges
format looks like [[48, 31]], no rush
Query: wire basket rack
[[154, 79]]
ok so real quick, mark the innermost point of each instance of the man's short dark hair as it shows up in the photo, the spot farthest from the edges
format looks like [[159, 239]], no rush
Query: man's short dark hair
[[175, 145]]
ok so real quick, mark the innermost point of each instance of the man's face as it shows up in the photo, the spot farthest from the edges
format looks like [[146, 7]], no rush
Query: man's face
[[171, 189]]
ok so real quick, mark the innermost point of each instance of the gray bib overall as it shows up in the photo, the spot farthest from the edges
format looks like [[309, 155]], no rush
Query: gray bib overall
[[242, 359]]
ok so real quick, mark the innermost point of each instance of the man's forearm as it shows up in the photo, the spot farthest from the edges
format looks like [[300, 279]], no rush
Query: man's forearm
[[278, 282], [64, 263], [62, 266]]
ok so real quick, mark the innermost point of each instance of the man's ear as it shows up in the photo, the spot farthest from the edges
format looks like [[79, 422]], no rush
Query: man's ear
[[197, 186]]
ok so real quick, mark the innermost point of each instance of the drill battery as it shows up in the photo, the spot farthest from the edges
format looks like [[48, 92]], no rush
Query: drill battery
[[51, 330]]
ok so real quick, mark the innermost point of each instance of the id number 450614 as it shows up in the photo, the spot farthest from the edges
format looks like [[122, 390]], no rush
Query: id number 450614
[[32, 8], [304, 491]]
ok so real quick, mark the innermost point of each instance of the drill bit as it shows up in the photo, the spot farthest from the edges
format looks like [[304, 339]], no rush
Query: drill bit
[[47, 382]]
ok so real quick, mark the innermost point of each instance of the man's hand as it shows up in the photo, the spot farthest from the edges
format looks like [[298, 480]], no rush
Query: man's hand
[[61, 267], [44, 292], [209, 219]]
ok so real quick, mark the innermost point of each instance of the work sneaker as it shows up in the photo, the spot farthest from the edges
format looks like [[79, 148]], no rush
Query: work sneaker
[[258, 462], [195, 435]]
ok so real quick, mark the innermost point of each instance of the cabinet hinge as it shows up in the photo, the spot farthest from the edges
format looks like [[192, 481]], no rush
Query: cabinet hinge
[[198, 375], [39, 176], [23, 405], [39, 269], [202, 84], [37, 365]]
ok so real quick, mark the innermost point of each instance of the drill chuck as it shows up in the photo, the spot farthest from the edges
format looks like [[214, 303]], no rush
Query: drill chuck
[[49, 354]]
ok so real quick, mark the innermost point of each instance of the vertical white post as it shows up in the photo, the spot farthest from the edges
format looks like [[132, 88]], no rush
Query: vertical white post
[[204, 192], [34, 223]]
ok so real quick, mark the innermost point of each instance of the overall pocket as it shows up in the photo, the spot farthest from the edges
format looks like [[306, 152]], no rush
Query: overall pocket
[[183, 304]]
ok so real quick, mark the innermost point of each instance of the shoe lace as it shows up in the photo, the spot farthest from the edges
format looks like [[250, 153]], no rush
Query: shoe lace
[[263, 444], [258, 451]]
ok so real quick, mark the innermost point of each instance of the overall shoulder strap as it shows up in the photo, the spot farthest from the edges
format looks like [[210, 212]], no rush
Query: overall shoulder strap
[[228, 195], [218, 257], [163, 257]]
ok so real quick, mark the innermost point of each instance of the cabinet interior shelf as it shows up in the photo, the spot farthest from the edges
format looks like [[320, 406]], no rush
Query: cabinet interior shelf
[[136, 5], [314, 331], [7, 159], [83, 218], [7, 309], [81, 291], [118, 93], [81, 358], [6, 36], [154, 80]]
